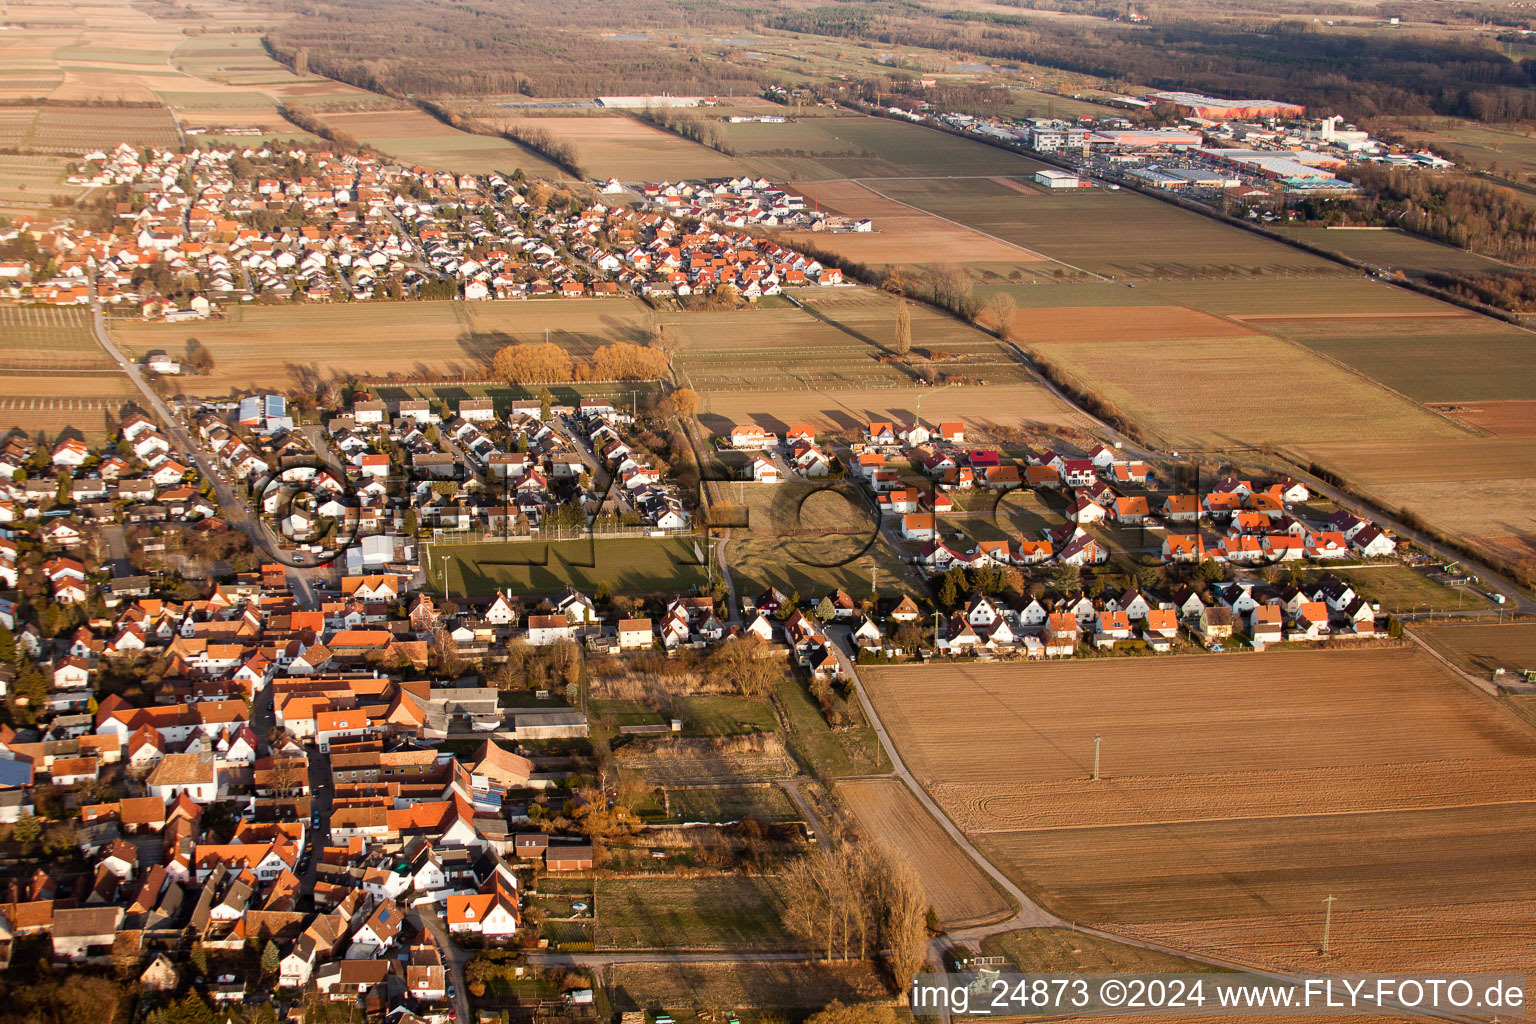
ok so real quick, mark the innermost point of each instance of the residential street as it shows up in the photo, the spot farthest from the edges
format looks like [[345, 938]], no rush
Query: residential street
[[235, 510], [425, 917]]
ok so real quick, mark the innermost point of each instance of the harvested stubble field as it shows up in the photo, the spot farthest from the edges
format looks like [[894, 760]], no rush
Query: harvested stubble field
[[890, 815], [416, 137], [1123, 323], [778, 348], [955, 347], [1185, 392], [50, 338], [1103, 232], [1237, 792], [848, 410], [903, 234], [255, 345], [1481, 489], [620, 146], [82, 129]]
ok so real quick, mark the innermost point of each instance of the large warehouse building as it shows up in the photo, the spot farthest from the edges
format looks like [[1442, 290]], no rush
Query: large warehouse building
[[1198, 105]]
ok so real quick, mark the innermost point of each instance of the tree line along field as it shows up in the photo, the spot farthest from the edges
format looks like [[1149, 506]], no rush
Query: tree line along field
[[1238, 791]]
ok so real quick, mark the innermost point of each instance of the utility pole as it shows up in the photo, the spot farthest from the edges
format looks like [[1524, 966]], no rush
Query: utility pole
[[1327, 921], [1096, 759]]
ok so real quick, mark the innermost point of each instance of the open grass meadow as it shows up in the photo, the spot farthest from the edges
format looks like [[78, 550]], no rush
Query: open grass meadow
[[1236, 792], [828, 753], [1062, 951], [777, 347], [809, 538], [720, 804], [735, 912], [626, 565], [1399, 588], [690, 992]]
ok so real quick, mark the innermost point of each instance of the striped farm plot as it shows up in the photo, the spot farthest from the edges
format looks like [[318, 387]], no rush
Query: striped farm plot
[[47, 404], [49, 338]]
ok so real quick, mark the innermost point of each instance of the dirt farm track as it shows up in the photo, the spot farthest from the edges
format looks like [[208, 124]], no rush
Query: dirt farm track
[[1237, 792]]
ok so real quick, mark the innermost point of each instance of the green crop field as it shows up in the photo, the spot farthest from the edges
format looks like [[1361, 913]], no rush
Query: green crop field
[[727, 912], [1394, 250], [1463, 358], [638, 565], [1116, 234]]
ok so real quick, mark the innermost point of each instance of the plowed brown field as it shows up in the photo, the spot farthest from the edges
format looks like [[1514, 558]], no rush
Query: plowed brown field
[[1237, 792]]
